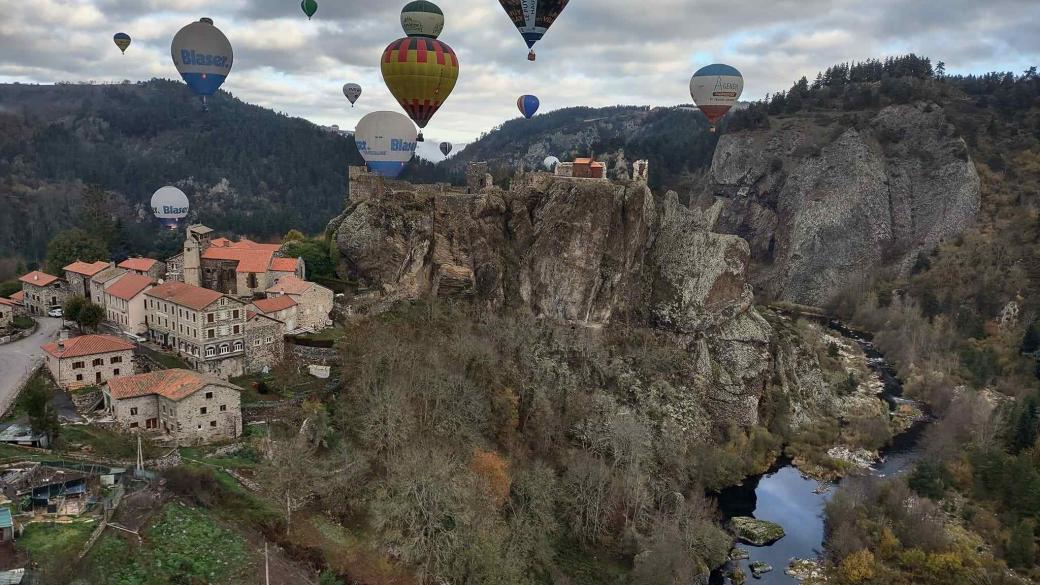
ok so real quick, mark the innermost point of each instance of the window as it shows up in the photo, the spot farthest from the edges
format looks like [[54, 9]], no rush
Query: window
[[223, 408], [213, 423], [209, 317], [202, 410], [209, 396], [116, 360], [115, 372], [77, 365], [235, 313], [98, 362], [210, 334], [79, 377], [133, 425], [238, 345], [200, 426], [133, 411], [210, 352], [151, 423], [225, 348], [235, 330]]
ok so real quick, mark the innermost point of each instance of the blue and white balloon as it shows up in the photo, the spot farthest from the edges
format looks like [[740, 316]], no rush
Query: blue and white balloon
[[386, 140], [170, 206], [203, 57]]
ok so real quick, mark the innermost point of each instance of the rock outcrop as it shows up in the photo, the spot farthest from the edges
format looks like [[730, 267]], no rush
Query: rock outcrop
[[821, 205], [754, 531], [581, 251]]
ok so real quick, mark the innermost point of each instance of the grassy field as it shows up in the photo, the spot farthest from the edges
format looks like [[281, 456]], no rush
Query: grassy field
[[104, 443], [167, 360], [52, 545], [183, 545]]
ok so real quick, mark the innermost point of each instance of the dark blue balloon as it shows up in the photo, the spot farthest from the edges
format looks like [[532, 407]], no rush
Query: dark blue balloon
[[528, 105]]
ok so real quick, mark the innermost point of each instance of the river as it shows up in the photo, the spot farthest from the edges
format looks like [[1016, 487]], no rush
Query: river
[[784, 496]]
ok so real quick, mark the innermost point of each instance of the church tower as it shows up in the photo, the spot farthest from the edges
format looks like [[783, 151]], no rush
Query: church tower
[[197, 241]]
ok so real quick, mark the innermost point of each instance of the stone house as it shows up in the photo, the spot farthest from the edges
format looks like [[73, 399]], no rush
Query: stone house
[[282, 308], [239, 268], [265, 343], [175, 268], [88, 360], [145, 267], [124, 302], [78, 275], [42, 291], [186, 406], [100, 281], [314, 301], [203, 326], [7, 309]]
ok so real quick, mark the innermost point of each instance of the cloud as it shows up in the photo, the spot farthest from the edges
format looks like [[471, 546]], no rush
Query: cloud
[[598, 53]]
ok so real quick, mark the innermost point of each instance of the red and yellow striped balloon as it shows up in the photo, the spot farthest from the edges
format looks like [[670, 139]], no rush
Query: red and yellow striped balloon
[[420, 72]]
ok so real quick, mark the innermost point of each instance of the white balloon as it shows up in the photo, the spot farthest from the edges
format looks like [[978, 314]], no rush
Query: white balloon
[[386, 140], [550, 162], [203, 56], [352, 91], [170, 205]]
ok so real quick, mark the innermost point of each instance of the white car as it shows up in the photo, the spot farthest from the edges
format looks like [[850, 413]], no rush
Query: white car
[[55, 312]]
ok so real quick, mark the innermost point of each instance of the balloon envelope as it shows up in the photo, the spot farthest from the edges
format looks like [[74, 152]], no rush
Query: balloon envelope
[[203, 56], [386, 140], [422, 18], [352, 91], [309, 7], [122, 40], [170, 206], [533, 17], [550, 162], [446, 148], [715, 89], [420, 73], [528, 105]]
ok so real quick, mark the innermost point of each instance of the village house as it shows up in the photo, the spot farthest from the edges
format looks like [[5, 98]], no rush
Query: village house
[[78, 275], [7, 310], [88, 360], [100, 281], [235, 268], [314, 301], [183, 405], [175, 268], [265, 342], [282, 308], [42, 292], [124, 302], [145, 267], [203, 326]]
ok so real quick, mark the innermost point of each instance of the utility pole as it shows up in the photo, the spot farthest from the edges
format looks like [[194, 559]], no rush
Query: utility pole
[[267, 565], [140, 456], [288, 512]]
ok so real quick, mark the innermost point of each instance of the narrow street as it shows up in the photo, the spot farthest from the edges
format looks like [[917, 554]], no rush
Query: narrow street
[[17, 359]]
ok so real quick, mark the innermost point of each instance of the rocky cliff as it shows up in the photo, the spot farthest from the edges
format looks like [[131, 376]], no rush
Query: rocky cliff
[[582, 251], [822, 200]]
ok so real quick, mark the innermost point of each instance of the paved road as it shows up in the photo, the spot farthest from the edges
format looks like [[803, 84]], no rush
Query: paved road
[[17, 358]]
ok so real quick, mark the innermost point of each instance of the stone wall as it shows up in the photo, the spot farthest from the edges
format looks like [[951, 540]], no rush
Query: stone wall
[[67, 375], [265, 346], [314, 355]]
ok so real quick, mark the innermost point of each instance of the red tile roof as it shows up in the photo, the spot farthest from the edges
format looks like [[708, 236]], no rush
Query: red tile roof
[[7, 302], [582, 161], [86, 345], [38, 278], [255, 261], [284, 264], [138, 264], [274, 304], [291, 285], [179, 293], [129, 286], [18, 297], [172, 384], [86, 268]]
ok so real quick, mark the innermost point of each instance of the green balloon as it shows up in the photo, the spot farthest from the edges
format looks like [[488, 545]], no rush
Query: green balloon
[[309, 7]]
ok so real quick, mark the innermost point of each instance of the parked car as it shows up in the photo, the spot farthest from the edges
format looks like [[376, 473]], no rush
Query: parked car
[[55, 312]]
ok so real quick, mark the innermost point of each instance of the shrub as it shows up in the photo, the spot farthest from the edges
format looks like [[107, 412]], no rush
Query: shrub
[[857, 567]]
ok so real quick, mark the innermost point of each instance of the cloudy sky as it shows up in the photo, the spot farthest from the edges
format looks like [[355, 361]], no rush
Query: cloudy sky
[[600, 52]]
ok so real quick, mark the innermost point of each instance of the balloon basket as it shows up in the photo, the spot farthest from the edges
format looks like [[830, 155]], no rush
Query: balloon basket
[[419, 138], [711, 129], [531, 56]]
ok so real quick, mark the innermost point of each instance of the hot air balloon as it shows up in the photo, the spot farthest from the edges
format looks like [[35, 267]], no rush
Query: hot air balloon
[[422, 18], [533, 18], [309, 7], [386, 140], [352, 91], [715, 89], [446, 148], [122, 40], [528, 105], [170, 206], [420, 72], [203, 57], [550, 163]]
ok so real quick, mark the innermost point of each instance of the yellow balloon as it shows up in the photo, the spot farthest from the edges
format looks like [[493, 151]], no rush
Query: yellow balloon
[[420, 72]]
